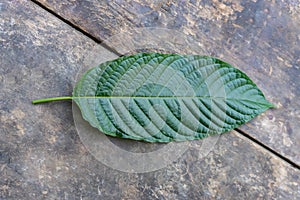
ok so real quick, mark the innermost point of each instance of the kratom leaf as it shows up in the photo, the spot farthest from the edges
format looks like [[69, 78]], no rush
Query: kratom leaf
[[166, 97]]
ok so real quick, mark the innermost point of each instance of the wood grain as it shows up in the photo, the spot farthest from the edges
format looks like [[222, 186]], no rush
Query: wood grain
[[42, 157]]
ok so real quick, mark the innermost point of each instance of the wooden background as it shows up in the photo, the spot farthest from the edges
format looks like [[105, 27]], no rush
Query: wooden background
[[44, 43]]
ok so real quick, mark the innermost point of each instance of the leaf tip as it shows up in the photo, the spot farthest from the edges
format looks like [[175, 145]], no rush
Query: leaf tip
[[271, 105]]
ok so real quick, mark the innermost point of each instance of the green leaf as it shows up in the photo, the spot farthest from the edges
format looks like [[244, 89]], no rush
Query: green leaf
[[167, 97]]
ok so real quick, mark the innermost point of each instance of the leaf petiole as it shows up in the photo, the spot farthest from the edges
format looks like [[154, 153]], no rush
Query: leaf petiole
[[51, 99]]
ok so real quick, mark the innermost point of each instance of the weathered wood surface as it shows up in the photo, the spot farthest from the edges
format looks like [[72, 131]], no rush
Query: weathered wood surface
[[42, 157], [260, 37]]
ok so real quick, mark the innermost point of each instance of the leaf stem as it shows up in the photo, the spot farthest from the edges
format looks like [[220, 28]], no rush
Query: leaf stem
[[51, 99]]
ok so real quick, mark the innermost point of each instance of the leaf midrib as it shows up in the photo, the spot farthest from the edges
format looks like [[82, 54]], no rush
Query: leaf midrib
[[169, 97]]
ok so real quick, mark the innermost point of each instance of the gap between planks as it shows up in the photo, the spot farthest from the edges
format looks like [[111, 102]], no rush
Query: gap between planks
[[77, 28], [272, 151]]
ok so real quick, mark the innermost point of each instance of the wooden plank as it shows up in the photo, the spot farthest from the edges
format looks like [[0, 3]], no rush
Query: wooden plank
[[42, 157], [260, 37]]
